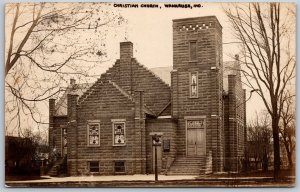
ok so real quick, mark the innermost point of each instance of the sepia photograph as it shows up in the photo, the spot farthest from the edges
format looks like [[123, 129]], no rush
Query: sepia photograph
[[174, 94]]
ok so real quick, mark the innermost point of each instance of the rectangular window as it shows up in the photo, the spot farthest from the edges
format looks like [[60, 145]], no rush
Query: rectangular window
[[119, 166], [94, 167], [118, 133], [93, 133], [194, 85], [193, 51]]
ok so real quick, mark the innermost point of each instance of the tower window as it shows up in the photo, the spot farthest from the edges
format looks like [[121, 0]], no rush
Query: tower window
[[193, 50], [194, 85]]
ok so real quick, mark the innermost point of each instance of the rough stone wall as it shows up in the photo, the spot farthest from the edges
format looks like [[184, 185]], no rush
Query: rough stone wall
[[236, 130], [227, 132], [168, 128], [105, 104]]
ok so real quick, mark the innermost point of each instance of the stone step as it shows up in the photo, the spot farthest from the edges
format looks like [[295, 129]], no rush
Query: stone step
[[186, 170], [55, 168], [188, 166], [171, 173], [190, 163]]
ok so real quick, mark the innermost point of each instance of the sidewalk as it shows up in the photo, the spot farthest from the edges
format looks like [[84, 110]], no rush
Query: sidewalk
[[150, 177], [149, 181]]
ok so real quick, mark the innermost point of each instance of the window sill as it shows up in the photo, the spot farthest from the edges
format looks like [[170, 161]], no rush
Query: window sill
[[93, 145], [119, 145]]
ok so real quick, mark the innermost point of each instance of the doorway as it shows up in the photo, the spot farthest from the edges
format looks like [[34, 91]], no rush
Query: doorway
[[195, 138]]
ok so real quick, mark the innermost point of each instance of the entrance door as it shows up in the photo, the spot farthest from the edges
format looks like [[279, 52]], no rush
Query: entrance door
[[64, 141], [159, 151], [195, 142]]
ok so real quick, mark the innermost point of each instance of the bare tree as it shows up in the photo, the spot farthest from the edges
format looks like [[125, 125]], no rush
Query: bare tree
[[259, 140], [267, 34], [46, 43], [287, 128]]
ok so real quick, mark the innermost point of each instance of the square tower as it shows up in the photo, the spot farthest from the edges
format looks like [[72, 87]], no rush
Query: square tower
[[197, 88]]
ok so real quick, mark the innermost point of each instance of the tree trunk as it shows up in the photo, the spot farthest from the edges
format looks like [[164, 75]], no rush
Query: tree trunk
[[290, 155], [275, 129]]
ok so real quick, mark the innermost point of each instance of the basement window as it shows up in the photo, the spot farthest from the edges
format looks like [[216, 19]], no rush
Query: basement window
[[119, 166], [94, 167]]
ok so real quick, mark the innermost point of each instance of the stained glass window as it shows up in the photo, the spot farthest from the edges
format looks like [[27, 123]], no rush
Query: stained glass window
[[194, 85], [94, 134], [119, 133]]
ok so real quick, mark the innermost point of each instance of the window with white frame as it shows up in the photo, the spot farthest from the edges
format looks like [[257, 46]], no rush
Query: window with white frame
[[118, 133], [93, 133], [194, 85]]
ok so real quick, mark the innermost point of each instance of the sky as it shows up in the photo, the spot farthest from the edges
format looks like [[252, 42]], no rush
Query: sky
[[150, 30]]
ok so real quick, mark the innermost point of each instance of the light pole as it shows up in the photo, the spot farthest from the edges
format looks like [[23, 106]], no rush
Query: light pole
[[156, 141]]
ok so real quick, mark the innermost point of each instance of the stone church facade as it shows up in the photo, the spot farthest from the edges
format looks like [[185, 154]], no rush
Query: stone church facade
[[106, 128]]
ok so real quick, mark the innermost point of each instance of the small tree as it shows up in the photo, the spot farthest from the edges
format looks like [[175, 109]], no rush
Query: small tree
[[287, 128], [46, 43], [259, 138], [266, 32], [21, 151]]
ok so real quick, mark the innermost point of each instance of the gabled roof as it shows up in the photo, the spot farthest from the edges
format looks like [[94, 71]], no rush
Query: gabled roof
[[164, 73], [62, 104], [79, 89], [121, 90], [166, 111]]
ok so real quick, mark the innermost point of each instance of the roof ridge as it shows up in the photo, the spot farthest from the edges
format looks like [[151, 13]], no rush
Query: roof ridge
[[121, 90], [99, 80], [164, 108]]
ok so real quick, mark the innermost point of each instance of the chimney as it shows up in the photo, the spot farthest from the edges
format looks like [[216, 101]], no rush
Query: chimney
[[126, 50], [72, 82], [126, 73], [236, 57]]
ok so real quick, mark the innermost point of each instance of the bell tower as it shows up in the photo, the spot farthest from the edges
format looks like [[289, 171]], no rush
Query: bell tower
[[197, 88]]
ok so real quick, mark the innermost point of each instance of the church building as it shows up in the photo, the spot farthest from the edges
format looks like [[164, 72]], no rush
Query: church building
[[198, 113]]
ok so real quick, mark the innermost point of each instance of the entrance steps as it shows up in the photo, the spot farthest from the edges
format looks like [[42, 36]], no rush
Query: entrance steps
[[188, 166], [58, 168]]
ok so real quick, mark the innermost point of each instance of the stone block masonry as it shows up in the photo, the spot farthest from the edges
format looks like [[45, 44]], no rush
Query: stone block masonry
[[206, 32], [110, 126]]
